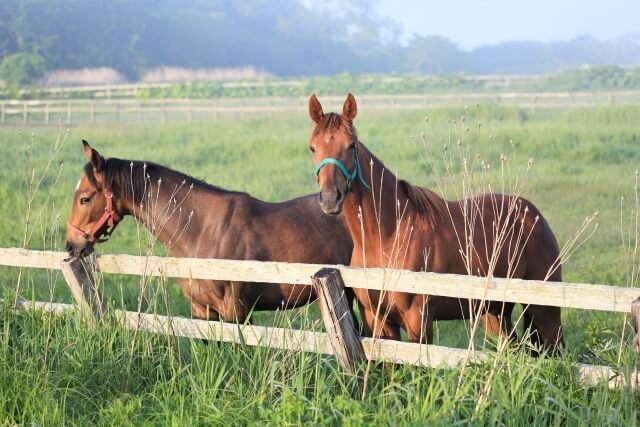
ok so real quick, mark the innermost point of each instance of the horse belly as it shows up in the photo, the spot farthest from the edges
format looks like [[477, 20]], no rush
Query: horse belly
[[445, 308], [268, 296]]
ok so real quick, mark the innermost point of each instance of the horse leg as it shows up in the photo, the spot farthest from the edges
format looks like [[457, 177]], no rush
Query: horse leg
[[497, 320], [419, 327], [350, 295], [491, 324], [199, 311], [234, 304], [203, 312], [383, 328], [391, 331]]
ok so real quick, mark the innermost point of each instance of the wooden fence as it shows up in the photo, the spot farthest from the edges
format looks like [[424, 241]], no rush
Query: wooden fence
[[93, 111], [573, 295]]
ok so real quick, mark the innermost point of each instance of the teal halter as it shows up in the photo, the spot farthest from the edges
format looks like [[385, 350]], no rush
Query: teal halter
[[351, 176]]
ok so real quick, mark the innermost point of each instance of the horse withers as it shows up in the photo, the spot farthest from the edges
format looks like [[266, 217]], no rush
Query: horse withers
[[395, 224], [194, 219]]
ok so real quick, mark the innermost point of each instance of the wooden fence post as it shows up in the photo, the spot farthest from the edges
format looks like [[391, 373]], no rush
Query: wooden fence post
[[81, 279], [337, 317], [68, 113], [46, 113], [25, 114]]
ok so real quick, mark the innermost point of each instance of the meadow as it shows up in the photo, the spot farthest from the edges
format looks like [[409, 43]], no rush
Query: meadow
[[55, 370]]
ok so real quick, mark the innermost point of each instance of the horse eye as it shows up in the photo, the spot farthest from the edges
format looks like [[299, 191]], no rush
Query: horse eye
[[85, 200], [352, 146], [313, 150]]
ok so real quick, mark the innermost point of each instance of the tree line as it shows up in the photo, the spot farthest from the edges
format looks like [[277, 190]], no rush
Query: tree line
[[285, 38]]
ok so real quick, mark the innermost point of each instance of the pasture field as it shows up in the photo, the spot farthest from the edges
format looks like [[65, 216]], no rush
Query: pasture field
[[55, 370]]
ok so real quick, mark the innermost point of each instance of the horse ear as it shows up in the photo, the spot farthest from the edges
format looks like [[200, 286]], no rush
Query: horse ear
[[315, 109], [349, 109], [93, 156]]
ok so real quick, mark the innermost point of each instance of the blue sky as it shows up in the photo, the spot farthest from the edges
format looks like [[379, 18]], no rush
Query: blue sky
[[471, 23]]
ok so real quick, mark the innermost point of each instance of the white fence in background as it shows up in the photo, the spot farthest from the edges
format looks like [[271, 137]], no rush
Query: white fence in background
[[109, 111]]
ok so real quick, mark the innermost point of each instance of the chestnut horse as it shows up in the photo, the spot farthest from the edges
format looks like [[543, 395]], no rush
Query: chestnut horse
[[194, 219], [395, 224]]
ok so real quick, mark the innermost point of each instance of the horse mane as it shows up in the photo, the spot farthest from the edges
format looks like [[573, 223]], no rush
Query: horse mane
[[133, 178], [430, 207]]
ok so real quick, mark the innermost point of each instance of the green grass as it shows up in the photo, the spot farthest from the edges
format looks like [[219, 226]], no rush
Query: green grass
[[585, 161]]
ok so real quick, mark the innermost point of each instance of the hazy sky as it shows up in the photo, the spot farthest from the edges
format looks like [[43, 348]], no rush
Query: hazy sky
[[471, 23]]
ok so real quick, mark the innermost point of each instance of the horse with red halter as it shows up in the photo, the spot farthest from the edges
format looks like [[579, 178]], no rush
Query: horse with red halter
[[395, 224], [194, 219]]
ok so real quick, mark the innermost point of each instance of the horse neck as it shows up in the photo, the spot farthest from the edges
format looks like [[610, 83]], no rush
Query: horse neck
[[173, 210], [382, 206]]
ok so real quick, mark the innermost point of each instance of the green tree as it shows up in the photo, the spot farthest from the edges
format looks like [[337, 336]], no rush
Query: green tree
[[21, 69]]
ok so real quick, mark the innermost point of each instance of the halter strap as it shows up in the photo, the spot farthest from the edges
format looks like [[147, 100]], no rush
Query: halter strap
[[350, 176], [110, 217]]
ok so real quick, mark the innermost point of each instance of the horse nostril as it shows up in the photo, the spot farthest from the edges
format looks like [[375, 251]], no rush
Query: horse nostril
[[338, 195], [69, 247]]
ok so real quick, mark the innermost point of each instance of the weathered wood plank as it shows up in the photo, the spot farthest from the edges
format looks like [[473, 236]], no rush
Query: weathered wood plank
[[338, 321], [432, 356], [569, 295], [82, 282], [17, 257]]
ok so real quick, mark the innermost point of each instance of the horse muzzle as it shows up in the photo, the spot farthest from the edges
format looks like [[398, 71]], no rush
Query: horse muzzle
[[331, 201], [78, 250]]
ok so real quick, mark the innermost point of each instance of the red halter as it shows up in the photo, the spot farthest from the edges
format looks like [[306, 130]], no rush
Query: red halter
[[109, 217]]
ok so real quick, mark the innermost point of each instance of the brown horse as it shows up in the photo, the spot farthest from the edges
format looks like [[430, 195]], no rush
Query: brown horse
[[194, 219], [395, 224]]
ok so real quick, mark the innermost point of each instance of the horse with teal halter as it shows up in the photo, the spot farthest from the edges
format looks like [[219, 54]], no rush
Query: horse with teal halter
[[429, 224], [350, 176]]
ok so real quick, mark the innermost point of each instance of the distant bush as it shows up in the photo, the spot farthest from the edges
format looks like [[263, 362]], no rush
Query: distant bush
[[603, 77], [21, 69]]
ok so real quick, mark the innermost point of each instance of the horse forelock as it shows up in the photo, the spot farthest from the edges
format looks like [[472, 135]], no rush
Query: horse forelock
[[333, 122]]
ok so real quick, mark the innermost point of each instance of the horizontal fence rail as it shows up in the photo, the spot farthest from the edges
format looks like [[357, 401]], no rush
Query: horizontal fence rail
[[426, 355], [131, 110], [561, 294]]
